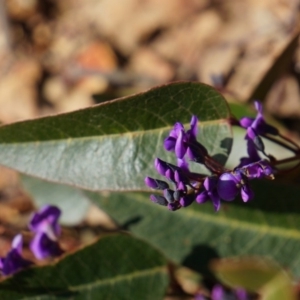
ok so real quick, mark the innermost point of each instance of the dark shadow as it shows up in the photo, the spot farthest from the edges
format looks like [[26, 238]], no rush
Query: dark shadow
[[273, 196], [225, 144], [133, 221], [200, 258], [221, 158]]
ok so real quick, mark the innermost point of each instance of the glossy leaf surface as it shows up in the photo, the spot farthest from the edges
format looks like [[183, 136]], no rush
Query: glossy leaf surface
[[112, 145], [115, 267]]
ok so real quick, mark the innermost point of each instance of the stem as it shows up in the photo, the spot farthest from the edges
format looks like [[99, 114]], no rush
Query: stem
[[291, 169], [270, 138], [289, 140], [213, 165], [286, 160]]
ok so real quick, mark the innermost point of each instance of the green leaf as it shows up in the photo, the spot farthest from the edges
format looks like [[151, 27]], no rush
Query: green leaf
[[115, 267], [266, 226], [255, 274], [239, 110], [112, 145], [72, 202]]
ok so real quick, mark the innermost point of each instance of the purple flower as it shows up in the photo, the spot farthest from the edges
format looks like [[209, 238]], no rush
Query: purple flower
[[210, 192], [257, 126], [258, 169], [45, 244], [182, 142], [45, 225], [222, 184], [14, 261], [230, 184]]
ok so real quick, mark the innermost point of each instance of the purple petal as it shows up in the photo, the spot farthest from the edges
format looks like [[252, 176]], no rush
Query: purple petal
[[156, 184], [160, 166], [174, 206], [17, 243], [169, 143], [258, 169], [210, 183], [176, 130], [183, 165], [215, 198], [42, 246], [246, 193], [180, 147], [228, 187], [246, 122], [13, 261], [192, 133], [202, 197], [48, 214], [267, 169], [181, 186], [251, 133], [258, 106], [217, 292], [187, 200], [170, 175]]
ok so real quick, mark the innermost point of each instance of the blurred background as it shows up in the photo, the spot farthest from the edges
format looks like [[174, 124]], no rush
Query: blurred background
[[55, 56]]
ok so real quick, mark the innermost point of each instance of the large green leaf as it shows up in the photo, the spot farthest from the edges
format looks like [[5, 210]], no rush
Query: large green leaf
[[268, 226], [115, 267], [112, 145]]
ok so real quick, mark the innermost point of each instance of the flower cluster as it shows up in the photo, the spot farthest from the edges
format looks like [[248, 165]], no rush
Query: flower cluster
[[44, 224], [221, 184], [219, 293]]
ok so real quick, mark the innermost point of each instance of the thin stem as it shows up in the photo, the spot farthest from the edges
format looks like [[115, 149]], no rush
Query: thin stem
[[270, 138], [286, 160], [291, 169], [289, 140]]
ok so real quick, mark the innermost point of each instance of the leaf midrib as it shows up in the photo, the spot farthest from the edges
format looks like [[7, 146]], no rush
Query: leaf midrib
[[107, 281], [234, 223], [115, 135], [124, 277]]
